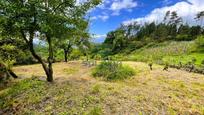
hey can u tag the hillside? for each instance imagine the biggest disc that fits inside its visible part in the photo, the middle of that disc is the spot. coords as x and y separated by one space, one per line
75 91
171 52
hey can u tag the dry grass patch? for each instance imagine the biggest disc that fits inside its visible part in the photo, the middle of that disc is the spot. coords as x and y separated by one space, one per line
148 92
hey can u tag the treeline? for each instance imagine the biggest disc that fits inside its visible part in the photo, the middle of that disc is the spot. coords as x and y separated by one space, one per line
135 35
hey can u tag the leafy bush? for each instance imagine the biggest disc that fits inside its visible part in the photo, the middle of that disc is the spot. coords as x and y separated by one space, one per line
112 70
200 42
183 37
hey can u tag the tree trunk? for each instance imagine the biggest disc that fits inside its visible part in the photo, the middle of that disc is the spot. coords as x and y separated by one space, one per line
50 59
12 74
31 48
65 55
38 58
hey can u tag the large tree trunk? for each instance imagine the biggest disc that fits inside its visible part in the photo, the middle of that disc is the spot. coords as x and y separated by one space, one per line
50 60
65 55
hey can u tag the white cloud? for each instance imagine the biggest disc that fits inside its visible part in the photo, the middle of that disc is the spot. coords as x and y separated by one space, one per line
124 4
118 5
78 2
99 36
166 2
187 10
103 17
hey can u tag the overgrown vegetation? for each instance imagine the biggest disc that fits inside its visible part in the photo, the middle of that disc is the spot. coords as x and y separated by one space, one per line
113 70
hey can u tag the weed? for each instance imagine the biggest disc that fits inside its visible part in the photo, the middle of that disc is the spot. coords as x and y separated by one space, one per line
95 111
96 89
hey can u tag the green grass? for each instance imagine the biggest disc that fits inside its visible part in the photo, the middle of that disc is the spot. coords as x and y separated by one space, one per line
184 59
31 88
170 52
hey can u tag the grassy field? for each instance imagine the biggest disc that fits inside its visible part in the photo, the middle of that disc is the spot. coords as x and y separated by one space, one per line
170 52
75 91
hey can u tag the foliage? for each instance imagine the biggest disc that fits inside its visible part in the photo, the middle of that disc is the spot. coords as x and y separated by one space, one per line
134 36
200 43
45 19
183 37
112 70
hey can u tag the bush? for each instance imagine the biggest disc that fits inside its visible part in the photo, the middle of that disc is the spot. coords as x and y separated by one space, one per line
112 70
183 37
200 42
202 62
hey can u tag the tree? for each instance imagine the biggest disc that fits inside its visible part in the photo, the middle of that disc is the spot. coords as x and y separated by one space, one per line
173 21
51 19
84 45
200 16
73 39
195 31
120 40
183 33
8 54
161 32
109 38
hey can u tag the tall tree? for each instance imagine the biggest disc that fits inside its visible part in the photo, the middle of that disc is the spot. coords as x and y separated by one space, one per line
200 16
50 18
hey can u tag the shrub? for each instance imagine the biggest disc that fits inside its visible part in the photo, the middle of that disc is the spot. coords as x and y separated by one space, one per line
200 42
112 70
202 62
183 37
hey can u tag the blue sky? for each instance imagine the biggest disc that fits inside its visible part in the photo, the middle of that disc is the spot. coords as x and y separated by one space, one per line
111 13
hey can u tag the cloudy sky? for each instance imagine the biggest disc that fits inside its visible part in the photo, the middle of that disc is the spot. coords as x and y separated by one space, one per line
111 13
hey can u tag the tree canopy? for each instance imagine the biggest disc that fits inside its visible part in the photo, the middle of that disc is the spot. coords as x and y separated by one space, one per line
43 19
